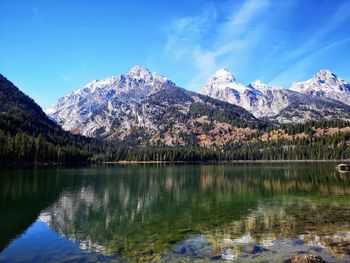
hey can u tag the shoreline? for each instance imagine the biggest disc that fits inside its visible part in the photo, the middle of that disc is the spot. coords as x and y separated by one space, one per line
225 162
29 165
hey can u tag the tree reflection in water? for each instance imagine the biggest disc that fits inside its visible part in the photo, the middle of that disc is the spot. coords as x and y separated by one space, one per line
144 212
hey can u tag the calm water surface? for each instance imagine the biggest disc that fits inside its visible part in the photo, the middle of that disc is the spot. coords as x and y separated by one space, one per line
180 213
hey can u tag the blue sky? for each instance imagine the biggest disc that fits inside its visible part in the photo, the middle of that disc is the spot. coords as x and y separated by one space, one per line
50 48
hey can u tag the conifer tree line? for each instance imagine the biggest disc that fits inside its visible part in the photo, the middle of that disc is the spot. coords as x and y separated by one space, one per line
28 136
23 147
28 149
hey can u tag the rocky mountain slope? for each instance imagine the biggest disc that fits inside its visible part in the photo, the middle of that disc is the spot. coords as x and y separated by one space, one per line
94 107
325 84
325 96
145 107
199 127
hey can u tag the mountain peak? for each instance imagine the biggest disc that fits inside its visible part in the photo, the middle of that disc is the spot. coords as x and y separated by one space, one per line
140 72
259 85
223 84
325 74
258 82
325 84
224 74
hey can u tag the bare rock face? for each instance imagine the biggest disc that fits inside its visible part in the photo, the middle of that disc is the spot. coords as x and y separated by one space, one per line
325 84
258 98
103 104
145 108
306 258
323 97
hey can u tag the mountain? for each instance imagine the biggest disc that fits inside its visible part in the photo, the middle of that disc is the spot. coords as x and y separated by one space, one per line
95 108
302 108
325 84
19 112
28 135
142 106
163 123
258 98
298 104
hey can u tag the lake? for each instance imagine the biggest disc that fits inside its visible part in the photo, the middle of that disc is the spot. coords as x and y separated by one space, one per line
247 212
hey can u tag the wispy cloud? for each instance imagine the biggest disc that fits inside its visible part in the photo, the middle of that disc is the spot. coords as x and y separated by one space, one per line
314 45
186 32
297 69
256 38
238 21
209 43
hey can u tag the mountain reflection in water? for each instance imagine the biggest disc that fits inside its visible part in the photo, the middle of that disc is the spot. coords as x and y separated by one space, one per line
202 212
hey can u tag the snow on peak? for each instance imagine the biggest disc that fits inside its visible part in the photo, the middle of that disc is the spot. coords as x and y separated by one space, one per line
223 80
224 74
92 85
259 85
324 80
258 82
325 84
256 97
325 72
140 72
75 110
324 75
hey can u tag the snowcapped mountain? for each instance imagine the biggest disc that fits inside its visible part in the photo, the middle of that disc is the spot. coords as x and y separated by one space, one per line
325 84
258 98
144 105
111 96
223 80
323 97
223 86
147 107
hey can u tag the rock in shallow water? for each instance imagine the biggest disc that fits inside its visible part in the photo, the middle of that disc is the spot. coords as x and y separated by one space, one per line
253 249
306 258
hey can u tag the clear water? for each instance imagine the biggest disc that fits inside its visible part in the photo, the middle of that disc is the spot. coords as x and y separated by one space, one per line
175 213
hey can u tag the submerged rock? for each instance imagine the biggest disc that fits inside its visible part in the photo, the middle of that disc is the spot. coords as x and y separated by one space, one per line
306 258
253 249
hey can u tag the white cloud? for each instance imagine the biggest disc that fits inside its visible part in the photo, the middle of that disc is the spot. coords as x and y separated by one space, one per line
297 70
239 20
221 39
186 32
315 44
255 38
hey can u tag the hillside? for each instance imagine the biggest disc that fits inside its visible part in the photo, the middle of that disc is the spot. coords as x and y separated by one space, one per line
144 108
170 124
28 135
